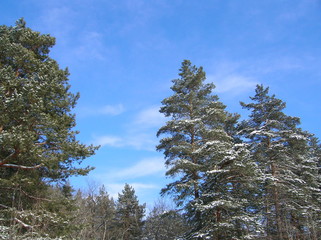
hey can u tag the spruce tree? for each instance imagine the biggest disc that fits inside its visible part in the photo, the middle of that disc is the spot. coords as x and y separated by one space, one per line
38 145
129 215
282 152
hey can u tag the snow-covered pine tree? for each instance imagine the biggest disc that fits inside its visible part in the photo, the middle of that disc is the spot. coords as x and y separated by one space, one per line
229 189
281 150
311 174
199 149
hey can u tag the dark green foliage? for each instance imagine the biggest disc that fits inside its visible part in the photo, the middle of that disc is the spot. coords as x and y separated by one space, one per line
37 142
129 215
211 171
184 131
284 154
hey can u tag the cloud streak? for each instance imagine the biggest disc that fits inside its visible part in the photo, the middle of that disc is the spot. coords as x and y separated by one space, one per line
112 109
115 179
109 110
138 141
233 84
140 133
229 79
150 117
143 168
112 141
58 21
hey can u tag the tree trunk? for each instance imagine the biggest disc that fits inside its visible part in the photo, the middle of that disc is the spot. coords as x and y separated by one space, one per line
276 202
218 219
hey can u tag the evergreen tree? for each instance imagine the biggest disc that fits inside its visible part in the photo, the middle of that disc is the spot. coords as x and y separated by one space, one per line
183 132
38 145
129 215
311 174
282 152
200 154
228 193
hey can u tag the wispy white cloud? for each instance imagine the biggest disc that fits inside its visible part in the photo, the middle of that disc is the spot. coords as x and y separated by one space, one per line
78 39
112 141
91 46
233 84
145 167
111 110
115 178
149 117
142 140
57 20
229 79
274 63
139 141
140 133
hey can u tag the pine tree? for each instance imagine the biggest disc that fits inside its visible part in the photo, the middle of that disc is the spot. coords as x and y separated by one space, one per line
281 150
200 154
311 174
38 145
228 193
183 132
129 215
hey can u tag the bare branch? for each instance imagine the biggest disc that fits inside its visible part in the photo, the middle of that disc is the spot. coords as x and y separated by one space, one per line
25 225
20 166
25 193
4 206
33 197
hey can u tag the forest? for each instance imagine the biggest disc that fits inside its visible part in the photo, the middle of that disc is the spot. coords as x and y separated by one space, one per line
232 179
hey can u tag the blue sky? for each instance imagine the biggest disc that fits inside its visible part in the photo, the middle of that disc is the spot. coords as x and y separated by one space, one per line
123 54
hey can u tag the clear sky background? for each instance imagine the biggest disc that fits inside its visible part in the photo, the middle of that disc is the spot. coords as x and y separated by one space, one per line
123 54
